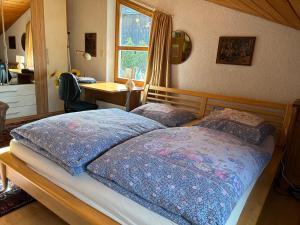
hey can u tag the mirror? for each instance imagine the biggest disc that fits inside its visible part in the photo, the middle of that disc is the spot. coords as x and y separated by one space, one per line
23 41
20 64
181 47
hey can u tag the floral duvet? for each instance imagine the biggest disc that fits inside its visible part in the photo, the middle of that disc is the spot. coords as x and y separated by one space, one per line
73 140
189 175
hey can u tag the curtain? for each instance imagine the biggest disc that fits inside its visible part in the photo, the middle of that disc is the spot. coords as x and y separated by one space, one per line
159 59
29 47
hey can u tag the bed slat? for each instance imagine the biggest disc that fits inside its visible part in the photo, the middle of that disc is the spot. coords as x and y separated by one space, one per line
203 104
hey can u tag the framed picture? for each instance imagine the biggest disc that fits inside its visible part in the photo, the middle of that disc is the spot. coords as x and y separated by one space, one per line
12 42
91 44
236 50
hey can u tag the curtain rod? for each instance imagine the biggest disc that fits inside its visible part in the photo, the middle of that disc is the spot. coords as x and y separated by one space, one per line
151 7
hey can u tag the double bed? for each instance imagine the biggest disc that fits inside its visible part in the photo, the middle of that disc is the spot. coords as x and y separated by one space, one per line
83 200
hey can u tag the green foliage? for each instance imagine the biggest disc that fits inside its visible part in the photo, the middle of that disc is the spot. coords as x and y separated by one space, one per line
135 60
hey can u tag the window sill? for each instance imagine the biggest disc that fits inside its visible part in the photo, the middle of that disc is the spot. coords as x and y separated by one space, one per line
136 82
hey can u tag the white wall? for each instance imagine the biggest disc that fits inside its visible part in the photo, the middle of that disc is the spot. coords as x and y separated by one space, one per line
17 29
275 73
56 44
88 16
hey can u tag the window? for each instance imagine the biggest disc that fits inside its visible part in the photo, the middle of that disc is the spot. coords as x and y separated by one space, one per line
133 24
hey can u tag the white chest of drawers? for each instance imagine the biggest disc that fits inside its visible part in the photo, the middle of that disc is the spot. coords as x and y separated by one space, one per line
20 98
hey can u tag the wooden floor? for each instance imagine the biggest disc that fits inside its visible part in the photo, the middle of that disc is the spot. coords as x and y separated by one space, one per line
31 214
279 210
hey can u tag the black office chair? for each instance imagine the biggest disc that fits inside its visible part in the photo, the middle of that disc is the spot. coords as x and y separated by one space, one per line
69 92
3 77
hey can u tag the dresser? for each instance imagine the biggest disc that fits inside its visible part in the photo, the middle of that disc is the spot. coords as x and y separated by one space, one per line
21 100
293 148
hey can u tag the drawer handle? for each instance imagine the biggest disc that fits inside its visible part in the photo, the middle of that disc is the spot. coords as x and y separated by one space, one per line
13 102
7 91
13 113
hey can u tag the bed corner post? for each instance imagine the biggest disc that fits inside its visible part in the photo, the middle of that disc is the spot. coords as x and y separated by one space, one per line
146 90
3 177
288 123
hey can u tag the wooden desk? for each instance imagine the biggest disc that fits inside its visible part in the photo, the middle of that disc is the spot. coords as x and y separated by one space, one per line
18 71
112 93
23 77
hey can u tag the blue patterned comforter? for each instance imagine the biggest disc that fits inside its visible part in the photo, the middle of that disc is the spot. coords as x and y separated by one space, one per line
189 175
73 140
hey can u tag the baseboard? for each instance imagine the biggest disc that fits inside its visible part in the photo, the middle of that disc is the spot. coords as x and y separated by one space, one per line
33 117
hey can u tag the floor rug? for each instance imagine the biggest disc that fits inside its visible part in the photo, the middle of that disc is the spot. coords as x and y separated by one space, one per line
14 197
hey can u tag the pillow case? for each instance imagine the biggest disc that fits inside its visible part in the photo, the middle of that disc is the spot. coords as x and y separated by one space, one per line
247 126
167 115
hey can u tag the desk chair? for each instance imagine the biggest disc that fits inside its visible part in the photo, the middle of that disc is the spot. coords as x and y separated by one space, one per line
3 77
69 92
3 109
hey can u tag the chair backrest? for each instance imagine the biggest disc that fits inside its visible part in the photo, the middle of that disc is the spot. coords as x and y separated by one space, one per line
69 89
3 77
3 108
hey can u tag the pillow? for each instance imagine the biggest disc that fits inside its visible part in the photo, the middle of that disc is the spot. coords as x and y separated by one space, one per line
248 127
165 114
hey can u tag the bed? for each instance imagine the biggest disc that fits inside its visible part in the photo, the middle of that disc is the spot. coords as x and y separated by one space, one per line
58 194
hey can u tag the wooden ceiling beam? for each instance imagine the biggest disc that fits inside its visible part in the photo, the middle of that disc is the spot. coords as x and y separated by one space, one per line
261 12
13 10
263 4
295 4
285 12
238 5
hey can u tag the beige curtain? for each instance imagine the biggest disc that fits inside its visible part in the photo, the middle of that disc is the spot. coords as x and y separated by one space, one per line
159 60
29 47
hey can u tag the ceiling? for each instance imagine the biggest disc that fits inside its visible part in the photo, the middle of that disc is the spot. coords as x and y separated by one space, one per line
13 9
286 12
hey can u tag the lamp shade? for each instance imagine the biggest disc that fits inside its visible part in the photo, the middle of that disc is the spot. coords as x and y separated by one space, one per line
20 59
87 56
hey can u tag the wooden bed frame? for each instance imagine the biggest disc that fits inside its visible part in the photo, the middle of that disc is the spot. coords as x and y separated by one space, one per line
75 211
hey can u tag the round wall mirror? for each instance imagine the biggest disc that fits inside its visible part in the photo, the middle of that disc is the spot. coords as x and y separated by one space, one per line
181 47
23 41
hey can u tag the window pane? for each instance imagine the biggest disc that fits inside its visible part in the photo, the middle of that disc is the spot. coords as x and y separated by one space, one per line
134 27
133 60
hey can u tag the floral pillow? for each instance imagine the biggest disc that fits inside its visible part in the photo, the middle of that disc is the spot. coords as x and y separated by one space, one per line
247 126
167 115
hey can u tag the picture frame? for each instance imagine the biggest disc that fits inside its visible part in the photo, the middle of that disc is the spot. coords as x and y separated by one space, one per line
91 44
12 42
235 50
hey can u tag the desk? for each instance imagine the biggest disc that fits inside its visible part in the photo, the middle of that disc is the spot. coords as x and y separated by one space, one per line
23 77
112 93
18 71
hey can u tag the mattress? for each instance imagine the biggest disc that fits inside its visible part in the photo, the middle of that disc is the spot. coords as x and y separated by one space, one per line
104 199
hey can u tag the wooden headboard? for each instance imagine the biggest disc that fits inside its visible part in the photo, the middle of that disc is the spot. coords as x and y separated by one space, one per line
201 103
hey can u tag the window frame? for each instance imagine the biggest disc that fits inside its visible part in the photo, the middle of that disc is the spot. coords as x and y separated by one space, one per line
118 46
